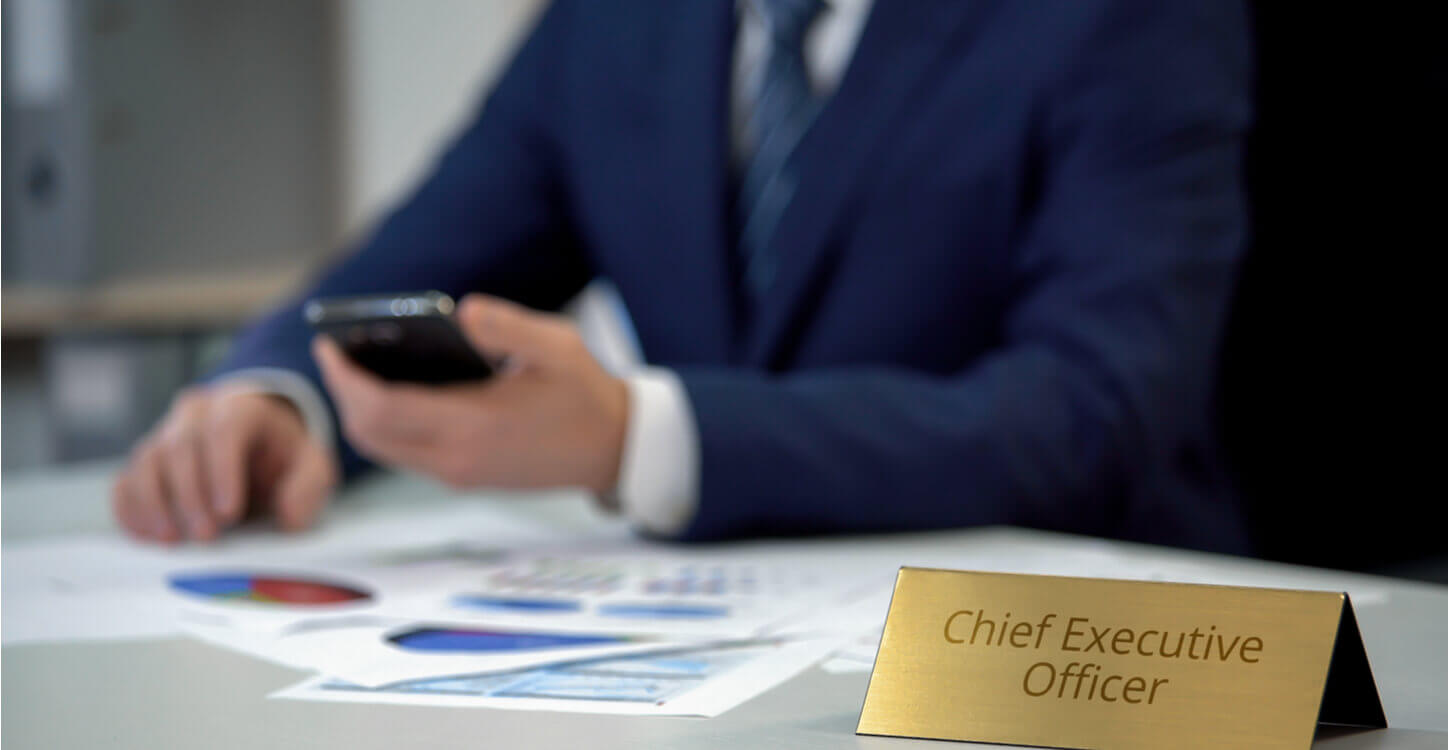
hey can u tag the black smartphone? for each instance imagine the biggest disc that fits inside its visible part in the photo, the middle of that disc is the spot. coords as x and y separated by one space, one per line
404 337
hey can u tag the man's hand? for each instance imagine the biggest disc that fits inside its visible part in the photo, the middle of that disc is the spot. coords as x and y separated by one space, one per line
553 417
219 452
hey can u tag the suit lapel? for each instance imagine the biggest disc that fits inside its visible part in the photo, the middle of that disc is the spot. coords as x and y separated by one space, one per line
693 176
902 42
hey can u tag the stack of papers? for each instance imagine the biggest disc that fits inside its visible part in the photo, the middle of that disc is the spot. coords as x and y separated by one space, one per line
420 611
475 607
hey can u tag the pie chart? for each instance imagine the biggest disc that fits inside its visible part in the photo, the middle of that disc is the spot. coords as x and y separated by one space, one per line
266 589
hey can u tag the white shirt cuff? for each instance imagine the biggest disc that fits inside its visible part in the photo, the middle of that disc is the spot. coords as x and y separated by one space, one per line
659 475
291 386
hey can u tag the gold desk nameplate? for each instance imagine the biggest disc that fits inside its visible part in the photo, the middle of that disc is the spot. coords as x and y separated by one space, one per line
1092 663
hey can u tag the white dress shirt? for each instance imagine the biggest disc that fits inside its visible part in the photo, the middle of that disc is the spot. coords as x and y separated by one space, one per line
658 487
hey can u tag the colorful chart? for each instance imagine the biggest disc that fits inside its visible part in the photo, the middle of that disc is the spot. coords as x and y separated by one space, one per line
290 591
456 640
586 576
688 580
562 575
525 604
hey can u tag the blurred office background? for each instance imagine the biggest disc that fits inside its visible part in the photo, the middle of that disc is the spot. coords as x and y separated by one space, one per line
171 166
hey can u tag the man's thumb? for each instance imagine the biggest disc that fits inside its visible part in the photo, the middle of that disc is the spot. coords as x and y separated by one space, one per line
498 327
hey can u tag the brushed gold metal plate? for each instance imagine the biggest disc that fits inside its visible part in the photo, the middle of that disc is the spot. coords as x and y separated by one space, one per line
1092 663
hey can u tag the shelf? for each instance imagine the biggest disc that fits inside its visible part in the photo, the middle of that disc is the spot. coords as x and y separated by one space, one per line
150 304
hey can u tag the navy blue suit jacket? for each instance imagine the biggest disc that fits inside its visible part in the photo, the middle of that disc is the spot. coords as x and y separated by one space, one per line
1002 280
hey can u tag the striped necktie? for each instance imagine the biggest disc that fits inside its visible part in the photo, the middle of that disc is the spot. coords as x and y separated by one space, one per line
784 108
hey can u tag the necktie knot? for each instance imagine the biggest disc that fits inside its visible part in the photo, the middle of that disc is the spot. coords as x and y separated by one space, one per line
788 20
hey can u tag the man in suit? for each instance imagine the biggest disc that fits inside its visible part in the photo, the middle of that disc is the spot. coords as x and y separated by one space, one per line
906 266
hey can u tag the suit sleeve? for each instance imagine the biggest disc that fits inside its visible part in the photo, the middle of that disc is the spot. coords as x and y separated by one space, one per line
1100 388
489 217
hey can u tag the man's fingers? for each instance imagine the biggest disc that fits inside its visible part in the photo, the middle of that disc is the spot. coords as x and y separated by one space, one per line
182 472
357 393
227 445
374 410
434 459
339 372
303 491
495 326
147 493
127 509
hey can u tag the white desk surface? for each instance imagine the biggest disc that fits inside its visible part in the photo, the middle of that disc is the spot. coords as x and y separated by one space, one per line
180 693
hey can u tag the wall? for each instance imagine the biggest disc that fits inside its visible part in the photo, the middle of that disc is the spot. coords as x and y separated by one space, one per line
229 136
412 75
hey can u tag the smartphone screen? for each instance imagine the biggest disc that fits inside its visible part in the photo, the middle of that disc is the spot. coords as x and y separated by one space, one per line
409 337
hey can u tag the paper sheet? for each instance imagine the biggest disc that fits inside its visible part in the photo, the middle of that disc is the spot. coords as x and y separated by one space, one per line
854 657
695 682
593 604
372 652
645 592
103 586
